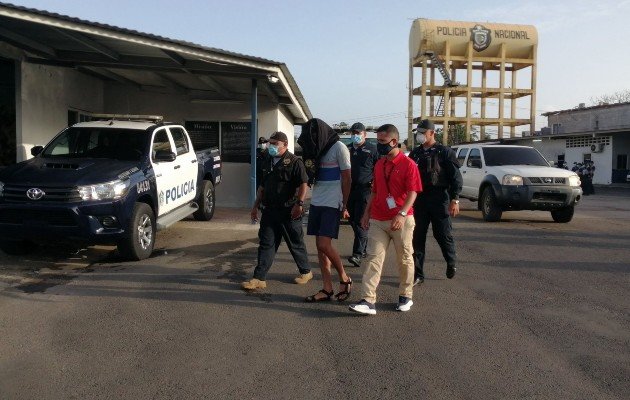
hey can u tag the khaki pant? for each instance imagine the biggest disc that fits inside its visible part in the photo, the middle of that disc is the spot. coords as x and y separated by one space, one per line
379 237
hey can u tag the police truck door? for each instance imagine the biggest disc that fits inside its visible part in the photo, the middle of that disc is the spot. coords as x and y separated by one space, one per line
185 167
165 176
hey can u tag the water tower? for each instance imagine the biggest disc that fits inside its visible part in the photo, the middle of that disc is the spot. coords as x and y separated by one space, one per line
484 56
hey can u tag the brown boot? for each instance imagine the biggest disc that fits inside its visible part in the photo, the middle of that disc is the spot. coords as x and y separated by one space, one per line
253 284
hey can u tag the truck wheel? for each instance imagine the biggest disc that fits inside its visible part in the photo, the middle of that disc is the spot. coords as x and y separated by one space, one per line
139 244
206 202
489 208
563 215
14 247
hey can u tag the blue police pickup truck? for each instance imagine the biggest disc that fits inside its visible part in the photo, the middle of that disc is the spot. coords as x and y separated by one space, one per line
115 181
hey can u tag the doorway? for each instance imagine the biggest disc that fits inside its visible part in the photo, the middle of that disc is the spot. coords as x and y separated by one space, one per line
8 153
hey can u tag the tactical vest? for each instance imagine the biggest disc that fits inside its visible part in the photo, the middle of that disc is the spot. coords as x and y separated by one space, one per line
278 182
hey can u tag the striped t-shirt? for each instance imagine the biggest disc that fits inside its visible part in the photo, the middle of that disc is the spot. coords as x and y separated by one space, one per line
327 188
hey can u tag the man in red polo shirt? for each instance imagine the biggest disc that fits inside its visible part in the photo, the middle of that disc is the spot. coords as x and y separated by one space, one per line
389 216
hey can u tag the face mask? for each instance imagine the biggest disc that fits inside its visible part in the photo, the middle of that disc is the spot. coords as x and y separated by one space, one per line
384 149
421 138
262 146
273 150
357 139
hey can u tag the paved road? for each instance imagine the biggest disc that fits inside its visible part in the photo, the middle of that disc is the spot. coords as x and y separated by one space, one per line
537 310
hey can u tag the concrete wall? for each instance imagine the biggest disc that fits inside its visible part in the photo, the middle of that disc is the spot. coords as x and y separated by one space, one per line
44 95
234 190
614 117
552 148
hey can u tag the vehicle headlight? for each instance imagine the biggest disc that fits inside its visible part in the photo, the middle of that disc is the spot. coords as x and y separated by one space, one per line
105 191
574 180
512 180
1 189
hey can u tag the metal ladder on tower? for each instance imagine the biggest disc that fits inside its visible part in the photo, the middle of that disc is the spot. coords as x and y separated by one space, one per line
441 67
439 111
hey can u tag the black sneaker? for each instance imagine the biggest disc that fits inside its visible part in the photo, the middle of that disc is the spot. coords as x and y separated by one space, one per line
355 261
404 304
418 281
450 271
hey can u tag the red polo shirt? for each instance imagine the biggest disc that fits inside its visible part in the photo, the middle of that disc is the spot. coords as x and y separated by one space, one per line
396 177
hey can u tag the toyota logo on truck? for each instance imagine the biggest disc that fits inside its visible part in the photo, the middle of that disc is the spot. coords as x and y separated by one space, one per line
35 193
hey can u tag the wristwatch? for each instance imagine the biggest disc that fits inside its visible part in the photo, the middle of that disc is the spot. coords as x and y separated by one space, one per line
456 201
403 213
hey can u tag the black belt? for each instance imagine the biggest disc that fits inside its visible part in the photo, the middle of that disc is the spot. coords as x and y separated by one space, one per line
277 206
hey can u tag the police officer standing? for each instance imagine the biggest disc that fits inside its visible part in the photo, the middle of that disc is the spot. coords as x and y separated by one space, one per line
363 157
261 152
439 201
280 195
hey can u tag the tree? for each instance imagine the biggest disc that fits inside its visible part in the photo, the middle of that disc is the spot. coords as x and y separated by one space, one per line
621 96
456 135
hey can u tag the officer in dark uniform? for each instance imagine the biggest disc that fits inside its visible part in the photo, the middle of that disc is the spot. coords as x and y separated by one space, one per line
439 199
280 196
363 157
261 152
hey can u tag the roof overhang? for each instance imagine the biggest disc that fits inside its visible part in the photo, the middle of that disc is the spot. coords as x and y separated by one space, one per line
569 135
147 61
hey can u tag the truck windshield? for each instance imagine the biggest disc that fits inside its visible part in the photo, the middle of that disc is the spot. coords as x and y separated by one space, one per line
117 144
513 156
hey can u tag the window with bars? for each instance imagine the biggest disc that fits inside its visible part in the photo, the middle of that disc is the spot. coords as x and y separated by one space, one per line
586 141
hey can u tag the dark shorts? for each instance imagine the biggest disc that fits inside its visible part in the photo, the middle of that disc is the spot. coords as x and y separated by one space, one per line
323 221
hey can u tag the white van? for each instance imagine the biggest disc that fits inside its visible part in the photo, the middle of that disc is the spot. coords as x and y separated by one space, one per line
503 177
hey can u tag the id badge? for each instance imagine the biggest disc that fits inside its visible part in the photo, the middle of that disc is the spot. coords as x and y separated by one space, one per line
391 203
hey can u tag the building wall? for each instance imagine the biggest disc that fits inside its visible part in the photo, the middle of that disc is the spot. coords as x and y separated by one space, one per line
234 190
587 120
44 95
552 148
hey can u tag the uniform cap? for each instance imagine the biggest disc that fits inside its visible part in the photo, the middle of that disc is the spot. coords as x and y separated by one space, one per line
425 125
279 136
262 140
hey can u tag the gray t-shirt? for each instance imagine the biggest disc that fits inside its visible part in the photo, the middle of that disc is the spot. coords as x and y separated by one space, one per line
327 188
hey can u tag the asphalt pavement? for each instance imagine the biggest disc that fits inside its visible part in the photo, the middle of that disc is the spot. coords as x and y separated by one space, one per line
537 310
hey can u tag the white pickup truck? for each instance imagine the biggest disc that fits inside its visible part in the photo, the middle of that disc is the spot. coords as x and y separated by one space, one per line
504 177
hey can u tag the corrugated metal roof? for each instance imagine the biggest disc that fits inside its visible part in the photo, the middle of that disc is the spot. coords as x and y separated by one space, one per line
138 33
263 63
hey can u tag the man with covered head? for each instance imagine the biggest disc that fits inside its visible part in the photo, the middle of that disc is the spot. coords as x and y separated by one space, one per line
329 162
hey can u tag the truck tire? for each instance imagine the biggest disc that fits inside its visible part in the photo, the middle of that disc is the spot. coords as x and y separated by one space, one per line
563 215
139 244
489 208
14 247
206 202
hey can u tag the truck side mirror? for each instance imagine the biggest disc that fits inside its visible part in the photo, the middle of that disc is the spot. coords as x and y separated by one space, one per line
36 150
165 156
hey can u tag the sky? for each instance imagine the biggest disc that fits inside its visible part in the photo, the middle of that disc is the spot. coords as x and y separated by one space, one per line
350 58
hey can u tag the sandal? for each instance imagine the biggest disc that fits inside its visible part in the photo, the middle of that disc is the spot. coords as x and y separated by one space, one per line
345 294
313 299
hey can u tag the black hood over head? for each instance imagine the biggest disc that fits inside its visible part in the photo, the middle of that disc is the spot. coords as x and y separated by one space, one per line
316 138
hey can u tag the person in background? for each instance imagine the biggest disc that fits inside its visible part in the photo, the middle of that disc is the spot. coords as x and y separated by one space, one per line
439 201
261 152
281 197
389 216
363 157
